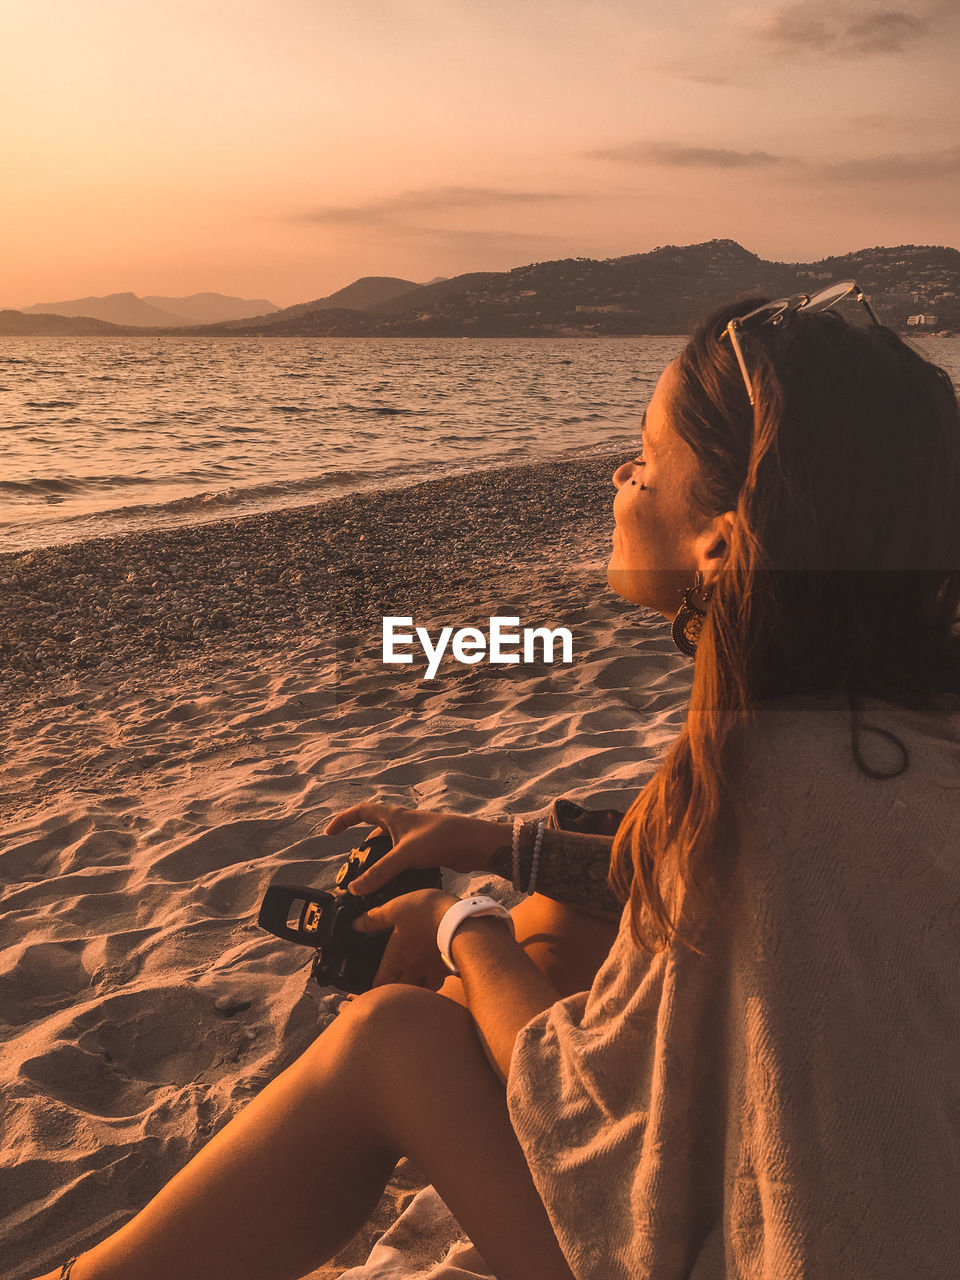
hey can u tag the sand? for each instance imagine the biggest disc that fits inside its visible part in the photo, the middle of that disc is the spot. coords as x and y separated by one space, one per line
212 694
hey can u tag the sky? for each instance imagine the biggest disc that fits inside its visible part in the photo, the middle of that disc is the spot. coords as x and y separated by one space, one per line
281 150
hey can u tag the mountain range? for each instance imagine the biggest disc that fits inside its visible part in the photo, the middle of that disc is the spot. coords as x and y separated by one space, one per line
661 292
153 312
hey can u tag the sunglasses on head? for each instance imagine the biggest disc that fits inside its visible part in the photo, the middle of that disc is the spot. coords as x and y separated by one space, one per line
776 313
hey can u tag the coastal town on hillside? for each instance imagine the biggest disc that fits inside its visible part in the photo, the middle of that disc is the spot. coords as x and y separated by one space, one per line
913 288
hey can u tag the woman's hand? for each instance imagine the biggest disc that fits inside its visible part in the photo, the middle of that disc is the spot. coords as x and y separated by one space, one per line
422 838
411 956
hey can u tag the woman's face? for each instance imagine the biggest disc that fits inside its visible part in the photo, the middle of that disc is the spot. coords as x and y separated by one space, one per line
654 553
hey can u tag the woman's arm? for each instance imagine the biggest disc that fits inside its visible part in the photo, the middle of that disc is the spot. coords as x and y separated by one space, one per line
573 868
502 986
504 989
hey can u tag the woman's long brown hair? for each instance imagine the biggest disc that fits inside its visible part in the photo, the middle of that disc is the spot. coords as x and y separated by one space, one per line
842 575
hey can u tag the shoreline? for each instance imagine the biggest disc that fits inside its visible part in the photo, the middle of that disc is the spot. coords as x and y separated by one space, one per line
104 606
318 492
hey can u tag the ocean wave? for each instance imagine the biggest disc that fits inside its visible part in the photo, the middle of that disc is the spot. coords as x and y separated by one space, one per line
74 486
40 488
381 410
220 500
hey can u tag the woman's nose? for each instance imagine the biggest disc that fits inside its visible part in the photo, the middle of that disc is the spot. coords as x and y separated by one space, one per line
623 473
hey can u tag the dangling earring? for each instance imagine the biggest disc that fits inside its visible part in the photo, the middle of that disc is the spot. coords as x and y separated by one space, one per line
688 623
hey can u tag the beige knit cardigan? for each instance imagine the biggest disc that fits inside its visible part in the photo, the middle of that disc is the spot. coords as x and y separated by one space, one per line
788 1104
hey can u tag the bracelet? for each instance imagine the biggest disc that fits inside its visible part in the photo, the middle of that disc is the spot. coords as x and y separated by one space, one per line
517 828
454 917
535 864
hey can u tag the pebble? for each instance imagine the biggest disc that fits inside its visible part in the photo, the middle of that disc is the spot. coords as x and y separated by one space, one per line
228 1005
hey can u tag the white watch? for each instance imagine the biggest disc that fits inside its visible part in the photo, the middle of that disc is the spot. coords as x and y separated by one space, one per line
454 917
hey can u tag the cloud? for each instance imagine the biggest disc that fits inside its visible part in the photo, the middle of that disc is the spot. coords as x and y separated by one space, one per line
893 167
793 27
834 30
890 167
493 242
887 32
430 201
674 156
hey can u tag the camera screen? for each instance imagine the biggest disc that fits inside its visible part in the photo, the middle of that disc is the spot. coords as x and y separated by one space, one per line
293 913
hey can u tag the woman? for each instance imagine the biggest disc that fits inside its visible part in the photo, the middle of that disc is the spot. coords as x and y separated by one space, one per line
764 1078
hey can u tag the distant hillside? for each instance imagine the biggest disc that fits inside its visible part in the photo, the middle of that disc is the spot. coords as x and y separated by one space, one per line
331 317
212 308
363 294
16 324
427 296
662 292
366 293
156 312
117 308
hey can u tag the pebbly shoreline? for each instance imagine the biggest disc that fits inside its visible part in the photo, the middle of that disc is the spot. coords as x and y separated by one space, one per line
108 606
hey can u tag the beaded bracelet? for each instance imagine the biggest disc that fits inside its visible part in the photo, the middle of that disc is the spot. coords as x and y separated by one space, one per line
517 828
535 864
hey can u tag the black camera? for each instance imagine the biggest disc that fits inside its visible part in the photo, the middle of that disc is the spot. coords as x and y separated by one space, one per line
315 918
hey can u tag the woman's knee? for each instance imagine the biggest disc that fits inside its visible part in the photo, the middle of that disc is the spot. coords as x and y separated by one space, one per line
399 1045
394 1019
386 1006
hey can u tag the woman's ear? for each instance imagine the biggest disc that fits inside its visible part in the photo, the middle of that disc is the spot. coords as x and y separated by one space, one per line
712 546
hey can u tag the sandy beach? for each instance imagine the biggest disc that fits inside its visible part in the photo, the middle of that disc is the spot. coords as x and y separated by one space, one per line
182 711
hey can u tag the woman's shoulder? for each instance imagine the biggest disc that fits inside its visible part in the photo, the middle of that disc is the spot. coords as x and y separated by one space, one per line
821 804
805 736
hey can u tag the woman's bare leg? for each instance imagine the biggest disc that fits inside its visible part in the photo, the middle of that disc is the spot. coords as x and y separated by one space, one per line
567 945
293 1177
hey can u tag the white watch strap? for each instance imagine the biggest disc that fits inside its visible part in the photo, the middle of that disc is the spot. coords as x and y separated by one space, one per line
454 917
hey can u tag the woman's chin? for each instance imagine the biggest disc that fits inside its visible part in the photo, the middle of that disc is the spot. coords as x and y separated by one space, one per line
653 591
623 582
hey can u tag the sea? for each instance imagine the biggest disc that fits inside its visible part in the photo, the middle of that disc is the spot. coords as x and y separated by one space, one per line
106 436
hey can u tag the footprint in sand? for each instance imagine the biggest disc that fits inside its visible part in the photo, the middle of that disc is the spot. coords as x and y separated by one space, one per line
35 859
117 957
118 803
98 849
185 712
542 704
57 892
268 781
219 847
607 719
39 978
113 912
110 1057
235 895
631 671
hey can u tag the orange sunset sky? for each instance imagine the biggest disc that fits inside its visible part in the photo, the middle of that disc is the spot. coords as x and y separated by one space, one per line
282 149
